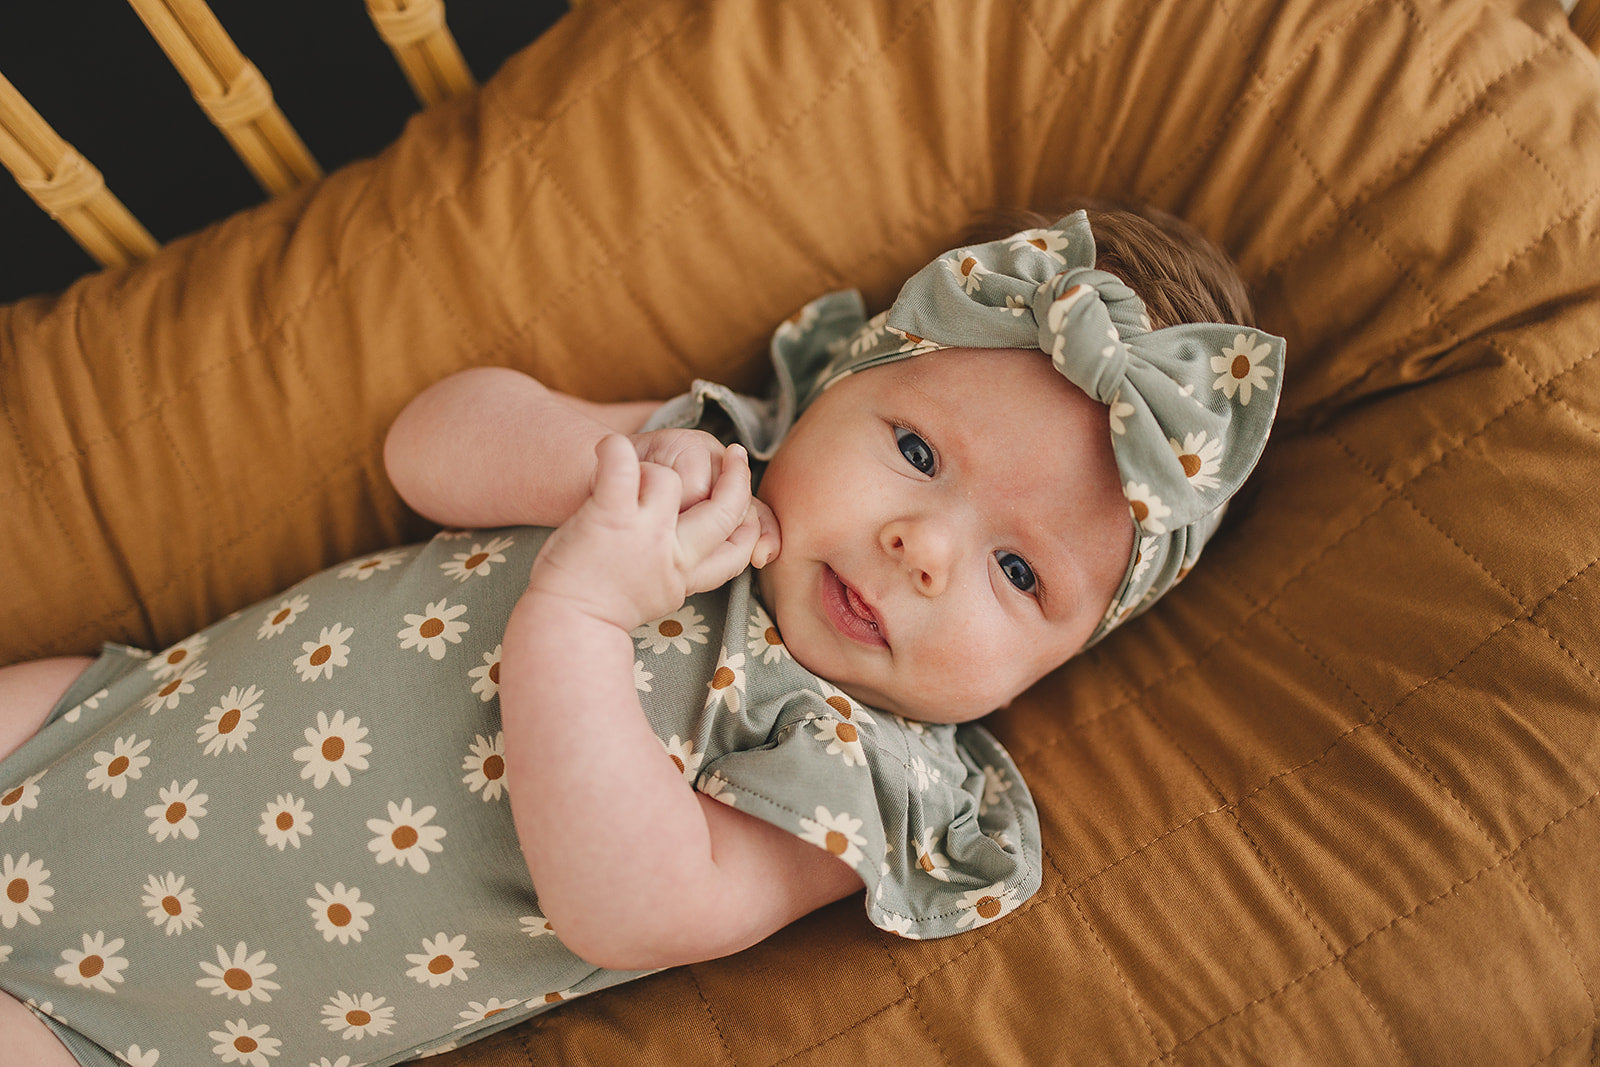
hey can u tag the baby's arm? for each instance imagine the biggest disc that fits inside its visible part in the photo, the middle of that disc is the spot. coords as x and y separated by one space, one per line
634 869
492 446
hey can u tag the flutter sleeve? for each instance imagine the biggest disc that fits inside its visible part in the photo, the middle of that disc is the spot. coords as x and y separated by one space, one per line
935 819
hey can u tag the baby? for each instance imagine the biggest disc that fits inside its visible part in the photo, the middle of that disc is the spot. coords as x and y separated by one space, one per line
578 736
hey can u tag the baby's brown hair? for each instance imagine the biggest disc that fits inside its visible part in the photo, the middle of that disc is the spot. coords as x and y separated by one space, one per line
1177 271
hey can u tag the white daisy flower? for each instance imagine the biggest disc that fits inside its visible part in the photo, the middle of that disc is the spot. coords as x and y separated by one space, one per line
555 996
477 1012
334 747
168 695
365 567
869 334
244 1044
96 966
926 775
910 343
285 821
835 833
1148 550
170 904
995 786
896 924
17 799
176 814
641 677
1241 368
443 959
1050 242
339 912
1056 314
798 323
485 764
1017 305
537 926
486 677
842 704
134 1056
283 616
241 976
231 721
112 770
967 271
1120 409
764 642
480 561
405 837
357 1016
674 630
682 754
1201 458
91 702
331 649
727 682
1148 510
718 788
174 660
842 739
982 906
430 631
932 862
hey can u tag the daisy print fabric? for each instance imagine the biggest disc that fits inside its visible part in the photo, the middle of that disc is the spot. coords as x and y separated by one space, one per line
291 833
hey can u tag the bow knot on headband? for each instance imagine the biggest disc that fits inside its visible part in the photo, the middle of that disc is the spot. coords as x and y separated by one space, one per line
1189 406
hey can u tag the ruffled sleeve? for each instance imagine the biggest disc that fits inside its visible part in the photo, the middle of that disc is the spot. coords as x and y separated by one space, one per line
935 819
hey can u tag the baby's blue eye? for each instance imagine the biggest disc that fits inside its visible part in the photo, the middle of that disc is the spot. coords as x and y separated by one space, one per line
1016 570
917 451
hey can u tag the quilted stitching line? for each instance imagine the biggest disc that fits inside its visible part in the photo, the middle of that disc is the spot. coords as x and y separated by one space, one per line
1437 898
1403 158
1401 494
1264 89
1133 997
1120 28
721 177
328 282
1350 220
1337 741
1342 396
710 1014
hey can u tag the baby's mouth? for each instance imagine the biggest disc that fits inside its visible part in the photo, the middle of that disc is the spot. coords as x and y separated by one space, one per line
850 613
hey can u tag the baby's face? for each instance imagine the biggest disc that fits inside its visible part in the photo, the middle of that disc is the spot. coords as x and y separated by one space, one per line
953 528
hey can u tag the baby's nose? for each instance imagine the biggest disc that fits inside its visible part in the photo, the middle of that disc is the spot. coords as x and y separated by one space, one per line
925 548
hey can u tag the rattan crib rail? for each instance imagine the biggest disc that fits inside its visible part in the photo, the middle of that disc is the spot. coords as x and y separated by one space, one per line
238 100
232 93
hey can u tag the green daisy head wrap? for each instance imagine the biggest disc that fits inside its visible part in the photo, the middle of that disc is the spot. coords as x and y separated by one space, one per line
1188 407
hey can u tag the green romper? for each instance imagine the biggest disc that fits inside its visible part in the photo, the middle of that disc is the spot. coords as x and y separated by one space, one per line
285 840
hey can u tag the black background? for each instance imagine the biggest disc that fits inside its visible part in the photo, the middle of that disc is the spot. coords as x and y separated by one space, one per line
96 75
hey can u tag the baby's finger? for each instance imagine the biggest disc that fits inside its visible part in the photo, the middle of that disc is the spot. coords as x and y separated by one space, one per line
708 524
727 560
660 490
616 475
770 539
698 472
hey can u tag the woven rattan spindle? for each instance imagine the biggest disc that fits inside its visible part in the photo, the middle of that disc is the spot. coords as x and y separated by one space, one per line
416 33
230 90
66 185
1585 22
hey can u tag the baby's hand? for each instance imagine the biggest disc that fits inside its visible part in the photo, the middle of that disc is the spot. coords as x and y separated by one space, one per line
694 455
697 458
628 556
